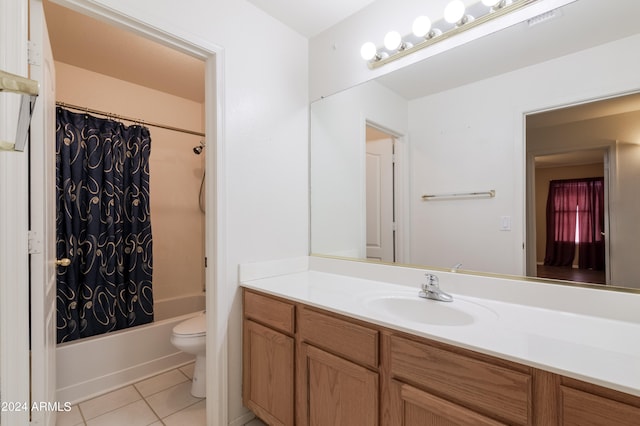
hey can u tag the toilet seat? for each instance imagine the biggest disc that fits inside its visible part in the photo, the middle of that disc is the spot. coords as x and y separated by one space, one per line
193 327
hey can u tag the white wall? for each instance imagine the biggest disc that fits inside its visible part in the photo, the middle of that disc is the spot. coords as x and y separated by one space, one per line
338 126
626 246
265 126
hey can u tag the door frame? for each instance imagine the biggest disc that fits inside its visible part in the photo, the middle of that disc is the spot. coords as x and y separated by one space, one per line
609 166
218 298
14 225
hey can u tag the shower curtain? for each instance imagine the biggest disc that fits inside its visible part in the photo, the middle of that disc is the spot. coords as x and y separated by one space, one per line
102 225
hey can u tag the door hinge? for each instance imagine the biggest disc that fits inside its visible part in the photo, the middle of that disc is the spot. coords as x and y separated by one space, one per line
34 242
394 227
33 53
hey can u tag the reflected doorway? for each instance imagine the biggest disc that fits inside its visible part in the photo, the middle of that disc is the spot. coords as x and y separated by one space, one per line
380 195
602 135
565 260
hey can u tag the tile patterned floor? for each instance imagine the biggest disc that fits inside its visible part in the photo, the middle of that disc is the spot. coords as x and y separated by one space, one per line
162 400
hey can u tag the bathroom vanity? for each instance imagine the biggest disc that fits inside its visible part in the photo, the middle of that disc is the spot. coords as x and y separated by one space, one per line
329 345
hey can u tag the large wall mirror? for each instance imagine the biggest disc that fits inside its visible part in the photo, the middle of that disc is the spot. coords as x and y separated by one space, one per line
452 160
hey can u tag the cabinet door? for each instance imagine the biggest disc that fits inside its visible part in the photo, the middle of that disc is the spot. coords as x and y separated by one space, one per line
339 392
418 408
584 409
268 373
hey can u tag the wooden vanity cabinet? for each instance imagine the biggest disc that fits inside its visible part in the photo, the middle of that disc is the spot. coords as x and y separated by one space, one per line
269 358
338 380
309 367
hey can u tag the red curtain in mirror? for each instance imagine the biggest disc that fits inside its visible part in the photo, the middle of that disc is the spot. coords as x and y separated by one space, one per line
575 217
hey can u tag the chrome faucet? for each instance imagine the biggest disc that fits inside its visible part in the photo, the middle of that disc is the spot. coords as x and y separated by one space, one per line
431 290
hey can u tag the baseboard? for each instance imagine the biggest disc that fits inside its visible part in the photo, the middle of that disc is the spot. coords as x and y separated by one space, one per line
243 420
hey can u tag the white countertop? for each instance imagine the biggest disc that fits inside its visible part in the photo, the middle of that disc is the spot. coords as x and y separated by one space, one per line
598 348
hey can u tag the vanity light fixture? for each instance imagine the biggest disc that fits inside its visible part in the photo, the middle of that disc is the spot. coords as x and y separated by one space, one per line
496 4
454 13
424 34
422 28
369 52
393 41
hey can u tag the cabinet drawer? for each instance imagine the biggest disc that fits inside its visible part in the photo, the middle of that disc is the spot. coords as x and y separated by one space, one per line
274 313
495 391
352 341
422 408
585 409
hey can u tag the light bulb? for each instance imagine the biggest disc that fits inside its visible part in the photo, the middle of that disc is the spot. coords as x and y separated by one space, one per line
392 40
421 26
454 11
496 4
368 51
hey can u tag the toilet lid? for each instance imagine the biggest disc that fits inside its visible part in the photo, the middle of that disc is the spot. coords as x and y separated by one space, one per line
194 326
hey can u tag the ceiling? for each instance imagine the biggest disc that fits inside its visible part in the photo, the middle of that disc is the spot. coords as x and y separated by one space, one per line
84 42
568 159
586 111
310 17
576 113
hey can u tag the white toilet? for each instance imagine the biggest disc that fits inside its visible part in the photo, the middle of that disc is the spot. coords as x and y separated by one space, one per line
190 336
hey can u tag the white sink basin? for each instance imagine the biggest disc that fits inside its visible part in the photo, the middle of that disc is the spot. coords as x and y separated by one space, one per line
415 309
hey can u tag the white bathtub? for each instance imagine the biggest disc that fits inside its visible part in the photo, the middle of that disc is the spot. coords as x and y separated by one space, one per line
88 367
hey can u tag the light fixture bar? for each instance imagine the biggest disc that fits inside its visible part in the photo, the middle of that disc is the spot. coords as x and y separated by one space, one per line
496 13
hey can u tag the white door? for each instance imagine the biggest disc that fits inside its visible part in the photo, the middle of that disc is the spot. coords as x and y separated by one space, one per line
380 226
43 213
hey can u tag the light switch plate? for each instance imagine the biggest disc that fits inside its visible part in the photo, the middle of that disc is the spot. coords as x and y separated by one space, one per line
505 223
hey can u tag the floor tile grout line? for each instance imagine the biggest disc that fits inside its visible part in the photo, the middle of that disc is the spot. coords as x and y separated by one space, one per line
114 409
183 409
152 410
120 408
183 373
142 397
84 421
161 390
147 402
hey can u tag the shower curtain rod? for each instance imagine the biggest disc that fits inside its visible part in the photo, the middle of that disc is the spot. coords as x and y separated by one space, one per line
133 120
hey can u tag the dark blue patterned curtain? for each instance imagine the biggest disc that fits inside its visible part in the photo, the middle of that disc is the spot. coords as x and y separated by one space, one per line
102 225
